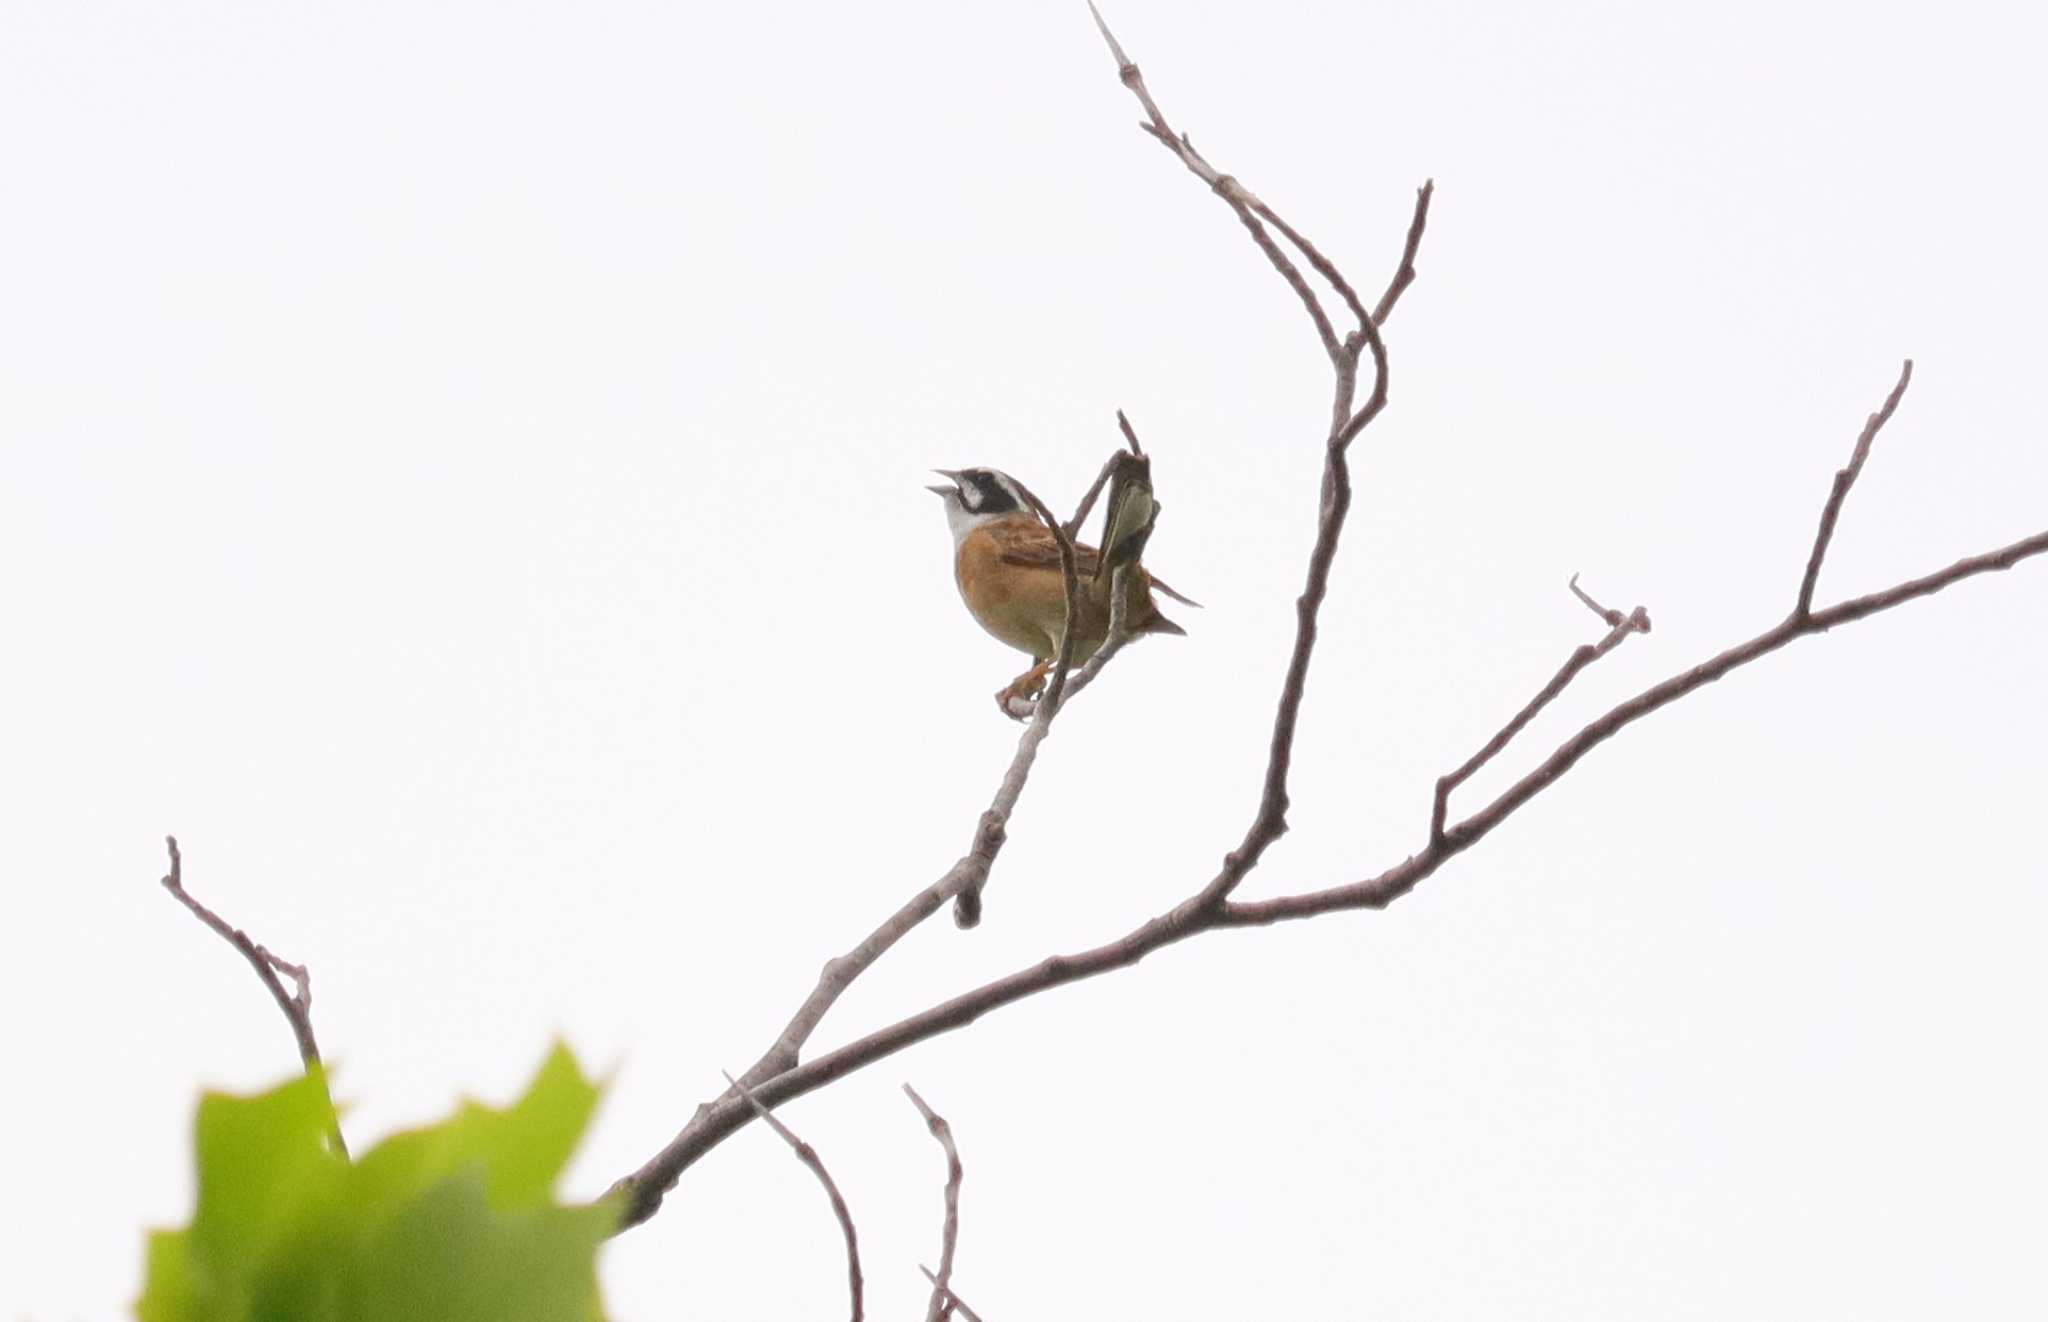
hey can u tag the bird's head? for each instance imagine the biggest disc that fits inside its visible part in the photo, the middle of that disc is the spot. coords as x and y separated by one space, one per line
973 496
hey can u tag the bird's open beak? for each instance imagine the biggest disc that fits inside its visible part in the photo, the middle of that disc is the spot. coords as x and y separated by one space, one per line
947 490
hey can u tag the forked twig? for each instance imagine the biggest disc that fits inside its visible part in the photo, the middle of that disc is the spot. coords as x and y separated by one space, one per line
1839 492
953 1301
296 1004
1620 627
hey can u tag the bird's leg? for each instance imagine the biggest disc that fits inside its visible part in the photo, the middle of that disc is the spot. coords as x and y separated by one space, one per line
1025 685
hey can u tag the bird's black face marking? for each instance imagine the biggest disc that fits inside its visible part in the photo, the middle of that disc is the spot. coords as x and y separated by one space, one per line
984 491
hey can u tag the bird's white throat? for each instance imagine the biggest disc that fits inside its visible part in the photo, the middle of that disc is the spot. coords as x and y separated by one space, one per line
963 520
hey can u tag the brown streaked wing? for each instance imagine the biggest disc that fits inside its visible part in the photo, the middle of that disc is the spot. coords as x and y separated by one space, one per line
1033 544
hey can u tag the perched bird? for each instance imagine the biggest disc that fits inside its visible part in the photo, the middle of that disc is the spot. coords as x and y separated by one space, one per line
1007 564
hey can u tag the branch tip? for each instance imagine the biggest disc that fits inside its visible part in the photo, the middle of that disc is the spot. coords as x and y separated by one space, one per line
1125 69
1130 437
1838 493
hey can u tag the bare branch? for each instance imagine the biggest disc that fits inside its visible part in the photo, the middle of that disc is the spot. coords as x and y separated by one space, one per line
949 1236
953 1301
296 1004
808 1155
969 873
1270 821
1662 695
967 899
1845 479
1637 621
1195 915
1382 890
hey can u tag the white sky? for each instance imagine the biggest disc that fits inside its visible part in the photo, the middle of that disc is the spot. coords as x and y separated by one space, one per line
460 470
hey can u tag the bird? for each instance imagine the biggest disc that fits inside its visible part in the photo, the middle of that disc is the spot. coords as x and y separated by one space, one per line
1007 565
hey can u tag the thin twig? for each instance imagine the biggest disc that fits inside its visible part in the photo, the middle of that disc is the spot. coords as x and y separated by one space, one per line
1637 621
297 1004
1241 200
1130 437
1845 479
1382 890
1404 275
953 1301
1269 823
808 1155
967 898
1109 467
949 1235
1609 617
1323 265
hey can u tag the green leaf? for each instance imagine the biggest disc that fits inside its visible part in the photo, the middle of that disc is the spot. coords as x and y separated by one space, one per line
264 1166
170 1289
449 1222
520 1148
450 1256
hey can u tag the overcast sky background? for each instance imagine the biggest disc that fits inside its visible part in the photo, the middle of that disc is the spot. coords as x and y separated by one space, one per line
460 470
